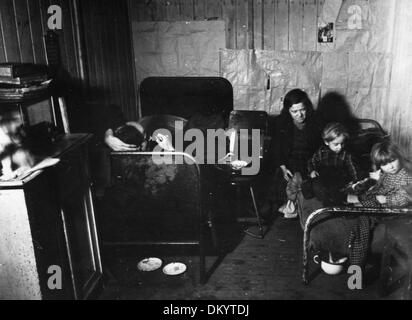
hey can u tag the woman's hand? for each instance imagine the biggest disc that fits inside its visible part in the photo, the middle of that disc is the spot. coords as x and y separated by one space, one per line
116 144
287 174
381 199
314 174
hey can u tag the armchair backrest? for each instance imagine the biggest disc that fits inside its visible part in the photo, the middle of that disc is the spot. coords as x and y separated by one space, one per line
186 96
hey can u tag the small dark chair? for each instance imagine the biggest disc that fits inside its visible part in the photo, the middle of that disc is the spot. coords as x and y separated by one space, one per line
241 119
244 119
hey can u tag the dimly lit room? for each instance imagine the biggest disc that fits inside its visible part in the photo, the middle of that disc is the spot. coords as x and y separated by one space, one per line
205 150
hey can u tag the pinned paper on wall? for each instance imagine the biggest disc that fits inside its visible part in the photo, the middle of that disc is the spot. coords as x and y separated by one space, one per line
325 33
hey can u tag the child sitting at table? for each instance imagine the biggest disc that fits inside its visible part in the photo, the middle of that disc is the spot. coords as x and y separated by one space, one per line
394 177
331 167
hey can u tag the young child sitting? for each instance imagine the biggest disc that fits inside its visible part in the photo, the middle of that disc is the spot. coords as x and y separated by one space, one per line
393 175
331 167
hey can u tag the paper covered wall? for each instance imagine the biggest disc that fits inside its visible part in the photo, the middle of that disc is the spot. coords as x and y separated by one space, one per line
357 64
363 78
182 48
360 61
260 78
365 25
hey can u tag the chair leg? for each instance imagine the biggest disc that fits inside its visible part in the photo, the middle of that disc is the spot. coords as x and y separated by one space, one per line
259 221
210 215
202 259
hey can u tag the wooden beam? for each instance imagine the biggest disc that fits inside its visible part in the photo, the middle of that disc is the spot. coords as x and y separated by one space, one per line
309 25
9 30
282 25
269 24
295 25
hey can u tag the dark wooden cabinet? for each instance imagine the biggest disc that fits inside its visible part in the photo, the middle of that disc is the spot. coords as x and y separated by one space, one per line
47 221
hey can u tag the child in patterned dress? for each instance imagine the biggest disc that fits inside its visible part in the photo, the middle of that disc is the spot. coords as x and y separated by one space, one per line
394 178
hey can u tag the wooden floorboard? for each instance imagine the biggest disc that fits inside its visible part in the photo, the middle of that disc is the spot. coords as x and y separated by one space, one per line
255 269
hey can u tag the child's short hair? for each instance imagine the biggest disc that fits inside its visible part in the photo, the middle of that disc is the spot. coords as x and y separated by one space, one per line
129 134
334 130
385 152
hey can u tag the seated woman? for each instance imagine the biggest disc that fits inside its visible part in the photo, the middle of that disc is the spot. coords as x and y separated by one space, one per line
296 138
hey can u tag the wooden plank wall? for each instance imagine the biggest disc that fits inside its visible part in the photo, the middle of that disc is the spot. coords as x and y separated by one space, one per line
107 45
108 48
250 24
280 25
399 111
23 24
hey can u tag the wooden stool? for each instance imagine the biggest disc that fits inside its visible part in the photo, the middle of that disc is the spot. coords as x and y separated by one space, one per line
397 256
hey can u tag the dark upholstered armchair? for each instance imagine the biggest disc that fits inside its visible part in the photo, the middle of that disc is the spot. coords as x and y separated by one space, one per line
156 203
169 203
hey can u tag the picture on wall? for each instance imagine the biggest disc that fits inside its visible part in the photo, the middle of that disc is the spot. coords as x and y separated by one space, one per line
325 33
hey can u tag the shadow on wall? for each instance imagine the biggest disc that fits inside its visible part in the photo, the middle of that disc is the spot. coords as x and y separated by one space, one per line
333 107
